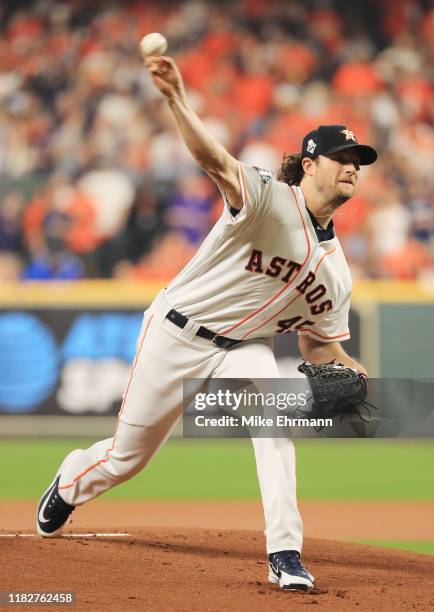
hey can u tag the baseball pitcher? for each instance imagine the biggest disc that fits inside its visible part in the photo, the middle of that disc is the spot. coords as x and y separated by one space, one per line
272 264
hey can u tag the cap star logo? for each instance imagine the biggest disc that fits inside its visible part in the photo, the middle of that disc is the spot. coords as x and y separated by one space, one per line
311 146
348 135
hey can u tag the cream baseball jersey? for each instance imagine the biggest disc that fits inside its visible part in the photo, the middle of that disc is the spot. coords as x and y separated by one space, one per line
264 272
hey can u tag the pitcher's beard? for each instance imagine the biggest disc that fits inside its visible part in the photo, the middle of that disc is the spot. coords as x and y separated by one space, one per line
332 197
339 199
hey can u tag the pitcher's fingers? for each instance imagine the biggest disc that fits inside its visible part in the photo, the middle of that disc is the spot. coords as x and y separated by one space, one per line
151 61
162 62
168 61
160 59
154 71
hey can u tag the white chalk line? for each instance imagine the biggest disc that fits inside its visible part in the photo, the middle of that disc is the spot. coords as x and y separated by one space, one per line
66 535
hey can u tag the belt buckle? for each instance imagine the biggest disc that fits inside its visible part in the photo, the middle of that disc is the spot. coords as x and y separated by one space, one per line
223 343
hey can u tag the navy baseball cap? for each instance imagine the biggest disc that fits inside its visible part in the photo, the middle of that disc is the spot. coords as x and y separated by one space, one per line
327 139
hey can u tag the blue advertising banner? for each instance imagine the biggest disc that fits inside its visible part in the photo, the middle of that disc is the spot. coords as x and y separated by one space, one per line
75 361
65 361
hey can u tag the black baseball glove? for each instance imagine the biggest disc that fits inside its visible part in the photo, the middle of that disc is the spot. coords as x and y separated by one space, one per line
336 390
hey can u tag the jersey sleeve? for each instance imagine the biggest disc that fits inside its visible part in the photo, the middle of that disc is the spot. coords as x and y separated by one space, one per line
333 327
254 184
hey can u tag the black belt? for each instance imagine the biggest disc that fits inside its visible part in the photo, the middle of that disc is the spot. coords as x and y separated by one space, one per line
221 341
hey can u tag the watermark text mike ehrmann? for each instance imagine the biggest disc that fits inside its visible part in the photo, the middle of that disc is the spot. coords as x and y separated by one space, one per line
282 420
233 400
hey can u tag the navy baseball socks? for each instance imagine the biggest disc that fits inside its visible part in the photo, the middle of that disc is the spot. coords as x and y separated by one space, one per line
287 570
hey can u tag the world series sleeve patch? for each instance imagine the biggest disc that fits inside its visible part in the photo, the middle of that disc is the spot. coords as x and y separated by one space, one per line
265 174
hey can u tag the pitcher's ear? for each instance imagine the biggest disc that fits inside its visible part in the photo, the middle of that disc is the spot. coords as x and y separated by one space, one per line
309 165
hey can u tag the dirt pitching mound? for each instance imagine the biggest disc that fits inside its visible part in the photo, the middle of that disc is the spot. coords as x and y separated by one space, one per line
199 569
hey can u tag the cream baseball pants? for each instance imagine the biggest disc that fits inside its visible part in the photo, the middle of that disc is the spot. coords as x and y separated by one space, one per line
152 405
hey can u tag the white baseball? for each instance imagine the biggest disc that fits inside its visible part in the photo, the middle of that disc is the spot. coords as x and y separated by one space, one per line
153 44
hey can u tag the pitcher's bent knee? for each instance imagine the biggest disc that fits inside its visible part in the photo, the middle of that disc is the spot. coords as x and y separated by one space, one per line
123 466
107 463
133 447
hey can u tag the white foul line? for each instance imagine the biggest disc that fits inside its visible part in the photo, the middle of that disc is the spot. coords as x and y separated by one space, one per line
66 535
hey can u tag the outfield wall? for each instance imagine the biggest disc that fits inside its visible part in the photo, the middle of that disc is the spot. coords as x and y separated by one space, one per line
66 348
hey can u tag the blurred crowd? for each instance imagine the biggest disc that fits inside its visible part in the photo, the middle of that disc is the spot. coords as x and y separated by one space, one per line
95 181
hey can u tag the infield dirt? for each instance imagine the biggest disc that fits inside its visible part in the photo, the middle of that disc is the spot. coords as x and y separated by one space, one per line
166 569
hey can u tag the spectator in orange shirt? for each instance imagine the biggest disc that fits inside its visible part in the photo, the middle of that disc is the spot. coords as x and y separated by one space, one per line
60 199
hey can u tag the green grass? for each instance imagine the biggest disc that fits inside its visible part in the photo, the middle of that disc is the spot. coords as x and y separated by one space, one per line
182 470
419 546
366 469
210 469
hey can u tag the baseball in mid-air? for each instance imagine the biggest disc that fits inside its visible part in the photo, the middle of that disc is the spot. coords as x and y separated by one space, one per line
153 44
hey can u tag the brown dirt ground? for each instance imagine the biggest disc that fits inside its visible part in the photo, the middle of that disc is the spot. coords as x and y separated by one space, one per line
166 569
220 564
334 520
